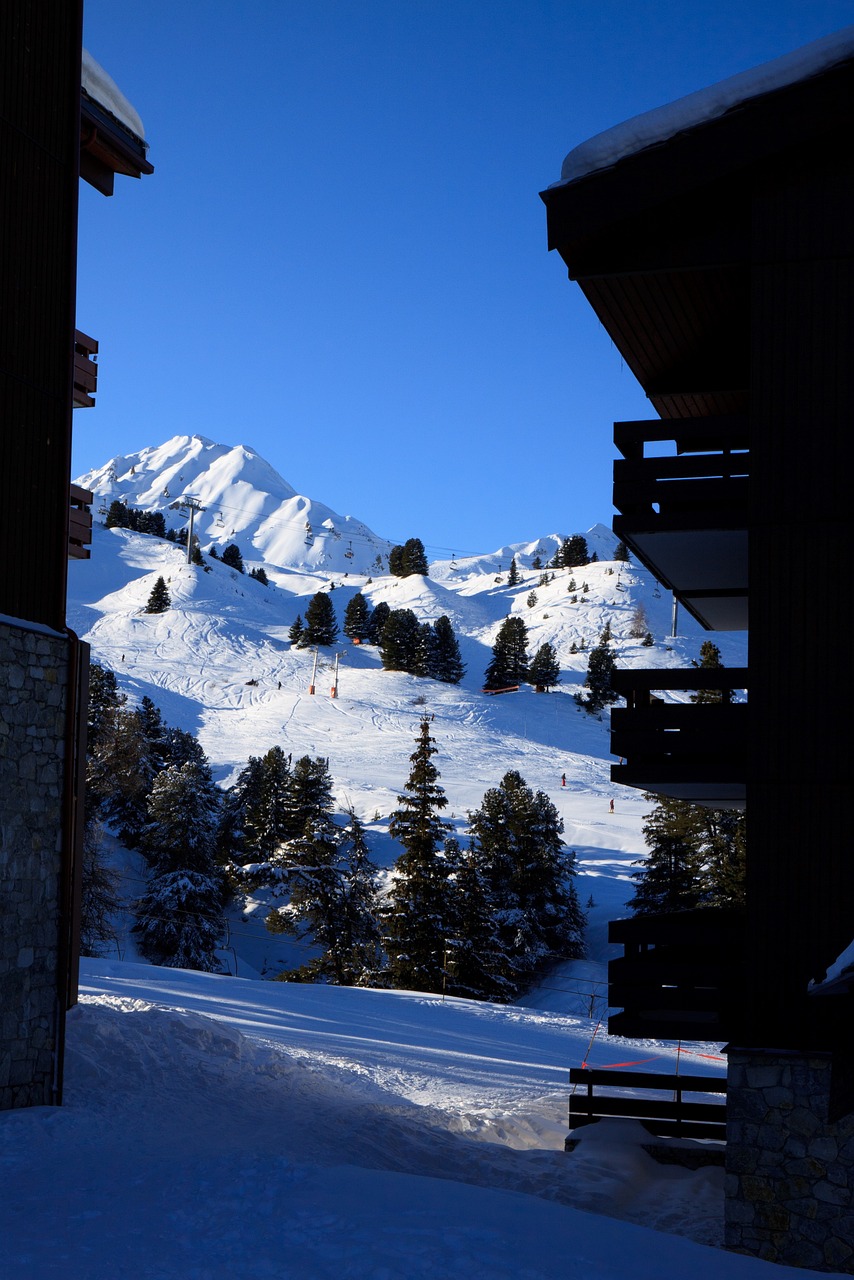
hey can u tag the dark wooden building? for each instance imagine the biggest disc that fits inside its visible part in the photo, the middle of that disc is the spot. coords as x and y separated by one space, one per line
46 366
715 246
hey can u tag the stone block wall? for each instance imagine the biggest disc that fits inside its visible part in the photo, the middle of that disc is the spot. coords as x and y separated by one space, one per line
33 699
790 1170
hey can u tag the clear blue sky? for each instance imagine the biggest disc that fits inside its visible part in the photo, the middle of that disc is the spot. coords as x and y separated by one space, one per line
341 256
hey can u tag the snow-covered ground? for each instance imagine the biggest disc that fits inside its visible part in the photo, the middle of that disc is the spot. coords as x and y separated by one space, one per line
218 1128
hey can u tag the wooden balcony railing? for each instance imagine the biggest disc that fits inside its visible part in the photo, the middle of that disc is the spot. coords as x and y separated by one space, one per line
85 370
679 976
79 523
685 750
685 515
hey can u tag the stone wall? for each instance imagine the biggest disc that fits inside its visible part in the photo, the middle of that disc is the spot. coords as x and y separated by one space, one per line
33 697
790 1171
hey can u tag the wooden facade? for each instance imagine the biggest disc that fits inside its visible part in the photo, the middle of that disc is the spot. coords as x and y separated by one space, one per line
720 263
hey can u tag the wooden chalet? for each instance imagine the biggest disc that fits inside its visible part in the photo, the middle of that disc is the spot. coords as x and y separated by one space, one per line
716 250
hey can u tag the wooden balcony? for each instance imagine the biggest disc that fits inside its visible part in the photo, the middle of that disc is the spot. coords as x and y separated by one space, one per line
679 976
684 515
85 370
687 751
79 523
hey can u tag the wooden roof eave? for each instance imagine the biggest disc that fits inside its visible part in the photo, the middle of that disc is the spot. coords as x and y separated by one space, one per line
108 148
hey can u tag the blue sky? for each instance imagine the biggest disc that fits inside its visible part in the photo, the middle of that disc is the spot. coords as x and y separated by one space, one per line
341 259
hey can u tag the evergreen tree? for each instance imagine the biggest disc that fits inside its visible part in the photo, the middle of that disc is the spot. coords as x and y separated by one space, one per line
232 557
260 576
309 795
638 626
575 552
408 559
671 879
232 839
379 617
266 787
475 959
356 950
710 660
448 666
532 599
621 552
100 898
399 641
545 668
159 600
395 561
424 660
648 641
357 618
516 841
599 681
321 627
513 575
509 663
297 632
183 748
418 914
179 917
196 556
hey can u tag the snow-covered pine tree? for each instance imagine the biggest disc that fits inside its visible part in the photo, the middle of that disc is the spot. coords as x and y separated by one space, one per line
448 666
475 959
417 919
545 668
296 632
179 918
265 798
509 662
356 952
159 600
424 660
671 878
516 842
399 641
321 626
309 795
100 898
710 660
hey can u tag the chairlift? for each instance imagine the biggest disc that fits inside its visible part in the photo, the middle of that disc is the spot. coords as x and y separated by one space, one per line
102 510
656 594
165 493
220 520
619 585
348 554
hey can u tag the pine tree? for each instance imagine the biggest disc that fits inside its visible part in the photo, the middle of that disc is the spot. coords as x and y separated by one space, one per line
265 796
475 958
599 681
424 660
414 558
117 515
260 576
448 666
509 663
516 841
321 627
545 668
356 952
159 600
100 898
575 552
232 836
621 552
357 618
671 879
309 795
297 632
532 599
513 575
399 641
179 917
232 557
379 617
710 660
417 918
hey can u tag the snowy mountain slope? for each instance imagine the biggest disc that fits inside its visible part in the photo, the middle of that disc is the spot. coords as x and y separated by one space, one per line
245 500
225 630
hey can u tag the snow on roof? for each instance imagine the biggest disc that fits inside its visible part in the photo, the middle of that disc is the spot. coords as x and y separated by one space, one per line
104 90
665 122
839 974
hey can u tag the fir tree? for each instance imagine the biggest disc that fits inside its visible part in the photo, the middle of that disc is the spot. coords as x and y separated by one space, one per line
100 899
117 515
671 879
379 617
545 668
448 666
297 632
513 575
417 917
260 576
621 552
414 558
356 952
179 917
232 557
532 599
710 660
321 627
399 641
509 663
648 641
575 552
309 797
357 618
266 802
159 600
516 841
599 681
424 660
475 958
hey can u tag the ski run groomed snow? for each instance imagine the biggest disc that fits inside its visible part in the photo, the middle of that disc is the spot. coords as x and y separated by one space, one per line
225 1126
